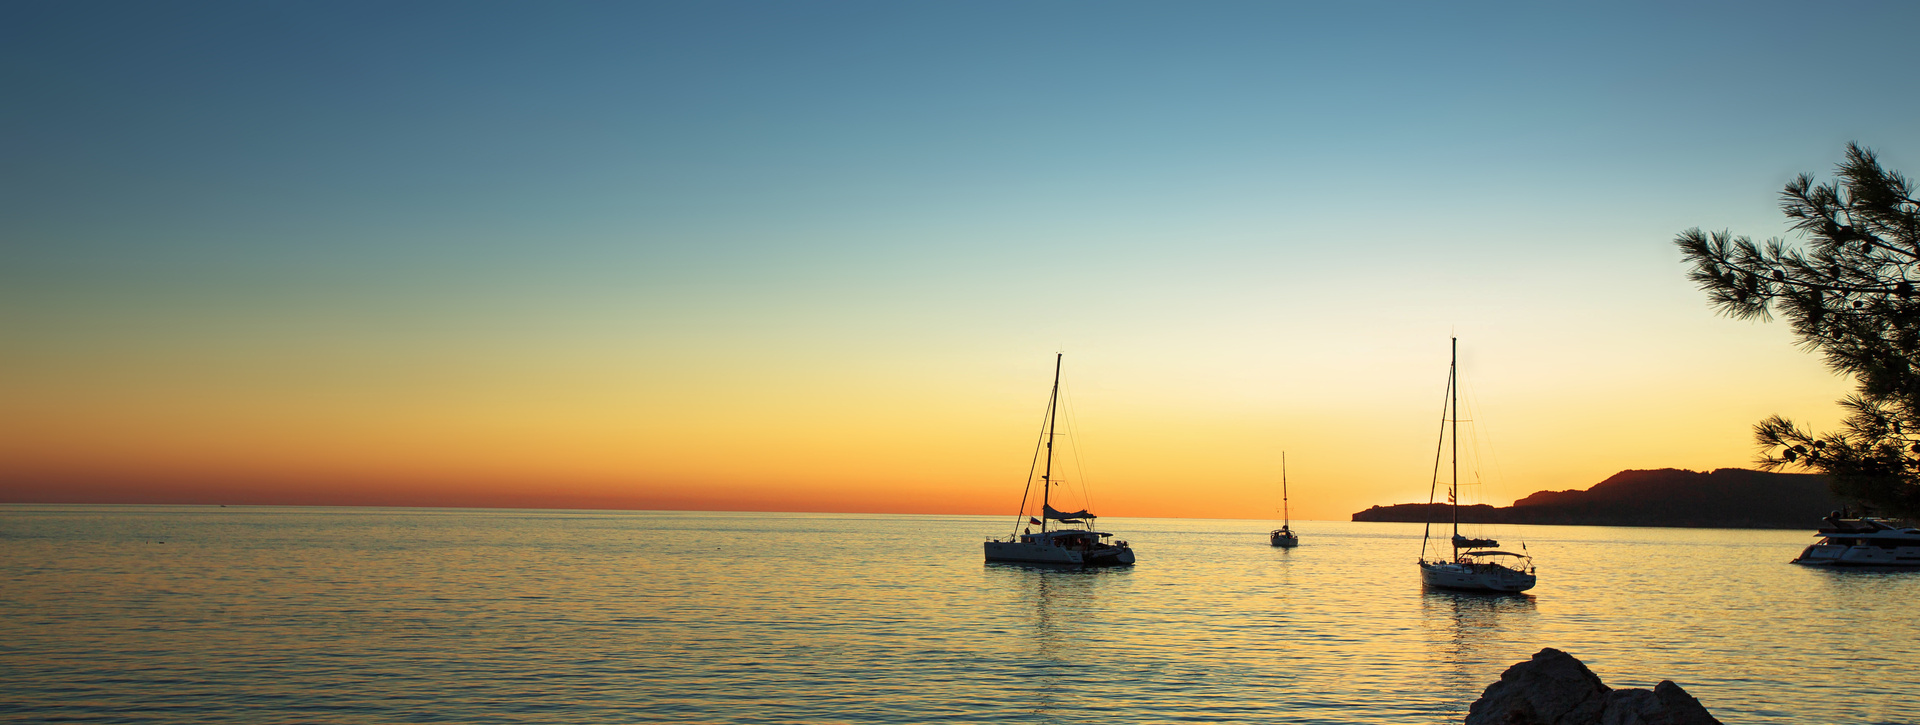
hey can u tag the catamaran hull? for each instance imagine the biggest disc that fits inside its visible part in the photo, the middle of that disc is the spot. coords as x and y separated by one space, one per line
1025 553
1030 554
1110 557
1485 578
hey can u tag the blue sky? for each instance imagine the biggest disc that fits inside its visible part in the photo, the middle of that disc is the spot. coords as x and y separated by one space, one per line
1204 199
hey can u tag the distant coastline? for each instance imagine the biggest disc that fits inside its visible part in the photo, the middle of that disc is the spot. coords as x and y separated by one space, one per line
1728 498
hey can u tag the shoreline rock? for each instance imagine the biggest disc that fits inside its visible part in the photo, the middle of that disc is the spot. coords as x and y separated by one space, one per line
1554 688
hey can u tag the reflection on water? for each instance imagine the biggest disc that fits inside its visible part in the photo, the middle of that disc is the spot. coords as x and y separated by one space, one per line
1064 607
1061 603
1471 630
350 616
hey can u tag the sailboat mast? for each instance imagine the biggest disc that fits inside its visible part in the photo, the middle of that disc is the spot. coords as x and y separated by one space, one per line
1053 409
1286 516
1453 487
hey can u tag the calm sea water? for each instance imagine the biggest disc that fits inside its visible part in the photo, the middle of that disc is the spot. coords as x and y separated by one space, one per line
398 615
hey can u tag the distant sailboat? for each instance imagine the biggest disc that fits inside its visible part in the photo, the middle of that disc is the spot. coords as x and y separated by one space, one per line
1475 565
1064 545
1284 537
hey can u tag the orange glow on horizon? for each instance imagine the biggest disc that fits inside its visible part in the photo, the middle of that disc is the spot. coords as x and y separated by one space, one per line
1155 435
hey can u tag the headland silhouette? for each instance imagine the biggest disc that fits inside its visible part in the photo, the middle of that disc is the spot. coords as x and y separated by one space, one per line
1725 498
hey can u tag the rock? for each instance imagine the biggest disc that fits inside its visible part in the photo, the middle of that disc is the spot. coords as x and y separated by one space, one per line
1665 704
1554 688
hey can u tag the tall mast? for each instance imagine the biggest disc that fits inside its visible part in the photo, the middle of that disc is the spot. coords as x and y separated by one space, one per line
1453 487
1046 479
1286 517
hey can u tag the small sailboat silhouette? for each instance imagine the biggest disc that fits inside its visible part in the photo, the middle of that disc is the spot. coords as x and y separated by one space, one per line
1284 537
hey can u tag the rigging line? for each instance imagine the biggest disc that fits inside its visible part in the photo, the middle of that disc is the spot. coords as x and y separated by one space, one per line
1475 452
1286 516
1027 491
1283 479
1492 458
1073 437
1472 451
1438 446
1493 452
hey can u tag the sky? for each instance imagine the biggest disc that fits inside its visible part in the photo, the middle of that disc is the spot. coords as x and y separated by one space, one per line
819 256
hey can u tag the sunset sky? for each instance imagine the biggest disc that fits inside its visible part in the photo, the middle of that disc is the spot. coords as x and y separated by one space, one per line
818 256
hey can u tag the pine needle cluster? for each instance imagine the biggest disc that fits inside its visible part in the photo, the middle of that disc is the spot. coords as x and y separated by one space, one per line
1849 294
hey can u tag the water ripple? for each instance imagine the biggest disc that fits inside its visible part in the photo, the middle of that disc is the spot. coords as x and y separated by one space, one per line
371 615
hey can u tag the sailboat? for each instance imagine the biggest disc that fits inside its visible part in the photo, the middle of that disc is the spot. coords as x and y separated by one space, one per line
1284 537
1065 538
1476 565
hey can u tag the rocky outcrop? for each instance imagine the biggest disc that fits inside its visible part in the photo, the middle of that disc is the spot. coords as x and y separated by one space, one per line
1553 688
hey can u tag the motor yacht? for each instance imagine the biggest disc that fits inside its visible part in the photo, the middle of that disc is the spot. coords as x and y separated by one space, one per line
1863 542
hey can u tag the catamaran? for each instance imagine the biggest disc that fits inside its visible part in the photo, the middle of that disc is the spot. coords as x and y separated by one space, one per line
1284 537
1065 538
1476 565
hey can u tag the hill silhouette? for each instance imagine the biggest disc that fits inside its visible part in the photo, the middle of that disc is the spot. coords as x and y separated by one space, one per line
1729 498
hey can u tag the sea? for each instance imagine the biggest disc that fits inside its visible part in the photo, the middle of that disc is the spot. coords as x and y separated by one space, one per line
132 614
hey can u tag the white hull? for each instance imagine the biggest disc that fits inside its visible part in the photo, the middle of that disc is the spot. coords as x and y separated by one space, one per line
1028 553
1834 555
1475 577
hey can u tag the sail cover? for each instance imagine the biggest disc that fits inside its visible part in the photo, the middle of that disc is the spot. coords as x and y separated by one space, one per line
1466 543
1059 516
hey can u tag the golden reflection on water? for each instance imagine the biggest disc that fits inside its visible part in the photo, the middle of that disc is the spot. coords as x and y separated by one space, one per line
348 616
1063 604
1471 629
1051 640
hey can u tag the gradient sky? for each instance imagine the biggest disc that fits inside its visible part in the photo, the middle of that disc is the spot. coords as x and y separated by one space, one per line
819 255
